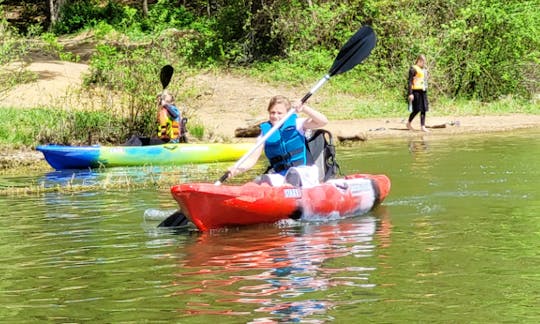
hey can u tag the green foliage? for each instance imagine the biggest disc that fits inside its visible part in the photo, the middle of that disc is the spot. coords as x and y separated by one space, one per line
132 74
80 14
102 62
42 125
166 14
32 120
196 130
52 46
476 48
97 124
479 49
301 68
75 15
12 48
491 48
102 29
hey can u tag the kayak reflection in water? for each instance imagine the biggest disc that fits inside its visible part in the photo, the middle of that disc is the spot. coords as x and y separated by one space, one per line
286 148
283 273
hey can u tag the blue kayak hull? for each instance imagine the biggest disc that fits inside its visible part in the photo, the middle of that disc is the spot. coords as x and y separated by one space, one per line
63 157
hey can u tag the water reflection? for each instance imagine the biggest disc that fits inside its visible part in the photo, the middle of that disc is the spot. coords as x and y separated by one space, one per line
281 269
461 236
420 152
125 175
70 177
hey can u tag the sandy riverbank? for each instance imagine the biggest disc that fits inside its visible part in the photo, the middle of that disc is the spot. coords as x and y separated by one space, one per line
228 102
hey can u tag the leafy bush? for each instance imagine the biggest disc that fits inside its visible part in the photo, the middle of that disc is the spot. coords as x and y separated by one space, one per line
11 46
132 75
489 47
165 15
80 14
475 48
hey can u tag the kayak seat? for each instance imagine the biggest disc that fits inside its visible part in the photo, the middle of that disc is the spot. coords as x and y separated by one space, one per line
322 153
305 176
183 130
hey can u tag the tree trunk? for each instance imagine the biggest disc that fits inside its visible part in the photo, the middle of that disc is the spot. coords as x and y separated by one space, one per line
54 10
145 8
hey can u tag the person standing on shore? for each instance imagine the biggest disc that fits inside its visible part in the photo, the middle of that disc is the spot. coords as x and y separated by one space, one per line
417 89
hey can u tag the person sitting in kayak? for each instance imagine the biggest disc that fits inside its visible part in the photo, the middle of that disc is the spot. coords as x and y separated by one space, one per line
171 125
169 128
286 148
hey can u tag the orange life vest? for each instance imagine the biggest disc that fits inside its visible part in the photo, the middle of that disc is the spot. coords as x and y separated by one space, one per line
420 79
168 128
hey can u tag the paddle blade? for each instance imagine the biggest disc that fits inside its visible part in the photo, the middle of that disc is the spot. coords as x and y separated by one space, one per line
165 75
176 219
357 48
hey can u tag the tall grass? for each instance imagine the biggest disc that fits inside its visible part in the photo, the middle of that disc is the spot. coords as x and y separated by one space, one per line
29 127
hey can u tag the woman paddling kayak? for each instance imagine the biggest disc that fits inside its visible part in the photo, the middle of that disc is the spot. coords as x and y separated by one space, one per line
286 149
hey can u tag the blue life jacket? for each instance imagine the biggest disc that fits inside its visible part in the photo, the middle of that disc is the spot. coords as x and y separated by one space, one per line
286 147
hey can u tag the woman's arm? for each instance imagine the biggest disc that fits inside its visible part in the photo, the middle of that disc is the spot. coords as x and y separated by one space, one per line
315 118
173 111
412 73
248 163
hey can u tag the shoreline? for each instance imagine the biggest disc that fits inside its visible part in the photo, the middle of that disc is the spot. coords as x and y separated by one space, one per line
347 130
395 127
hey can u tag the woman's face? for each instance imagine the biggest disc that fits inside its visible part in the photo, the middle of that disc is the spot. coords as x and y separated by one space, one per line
277 112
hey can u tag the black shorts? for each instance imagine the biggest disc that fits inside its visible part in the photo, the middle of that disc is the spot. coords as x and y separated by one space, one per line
420 101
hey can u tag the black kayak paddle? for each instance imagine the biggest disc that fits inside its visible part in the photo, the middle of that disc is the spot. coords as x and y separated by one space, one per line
357 49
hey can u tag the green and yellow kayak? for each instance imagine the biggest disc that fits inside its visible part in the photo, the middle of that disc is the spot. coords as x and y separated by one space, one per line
82 157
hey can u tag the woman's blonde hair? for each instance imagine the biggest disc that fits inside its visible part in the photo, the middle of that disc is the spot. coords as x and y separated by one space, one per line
279 100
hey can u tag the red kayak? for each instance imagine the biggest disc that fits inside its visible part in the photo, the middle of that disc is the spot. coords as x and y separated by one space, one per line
210 206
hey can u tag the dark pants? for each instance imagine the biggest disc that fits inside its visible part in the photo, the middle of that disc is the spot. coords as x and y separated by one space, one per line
420 105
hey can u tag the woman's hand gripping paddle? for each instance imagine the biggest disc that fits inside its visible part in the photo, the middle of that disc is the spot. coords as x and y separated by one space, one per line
357 48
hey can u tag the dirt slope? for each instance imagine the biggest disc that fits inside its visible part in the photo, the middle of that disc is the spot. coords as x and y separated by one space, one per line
227 102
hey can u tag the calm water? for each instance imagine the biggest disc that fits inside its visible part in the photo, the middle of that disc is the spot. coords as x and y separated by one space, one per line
455 242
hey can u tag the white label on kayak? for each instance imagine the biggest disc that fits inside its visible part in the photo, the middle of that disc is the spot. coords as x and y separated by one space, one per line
292 193
359 187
